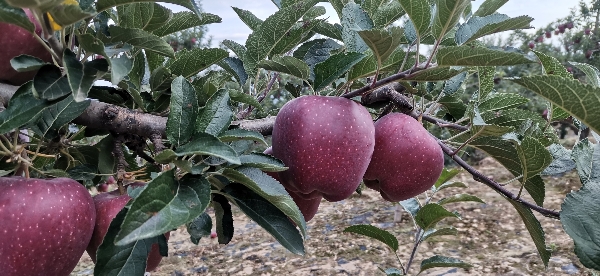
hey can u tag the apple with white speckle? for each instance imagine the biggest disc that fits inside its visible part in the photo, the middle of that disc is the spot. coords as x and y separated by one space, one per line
407 160
326 142
18 41
108 206
45 225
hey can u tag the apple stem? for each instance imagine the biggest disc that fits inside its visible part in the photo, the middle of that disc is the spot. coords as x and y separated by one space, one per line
418 237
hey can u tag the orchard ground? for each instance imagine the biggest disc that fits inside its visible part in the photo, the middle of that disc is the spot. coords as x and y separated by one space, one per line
491 236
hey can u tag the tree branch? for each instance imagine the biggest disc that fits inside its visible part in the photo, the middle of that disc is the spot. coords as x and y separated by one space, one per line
478 176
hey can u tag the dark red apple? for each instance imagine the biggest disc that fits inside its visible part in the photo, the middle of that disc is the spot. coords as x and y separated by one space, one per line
326 142
561 28
531 45
18 41
587 31
570 69
407 160
548 34
556 32
308 207
45 225
569 25
108 206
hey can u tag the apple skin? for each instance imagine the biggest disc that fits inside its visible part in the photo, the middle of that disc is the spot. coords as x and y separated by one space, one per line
407 160
326 142
108 206
45 224
308 207
18 41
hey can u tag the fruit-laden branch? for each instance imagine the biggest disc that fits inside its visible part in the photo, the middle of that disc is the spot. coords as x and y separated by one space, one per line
123 120
478 176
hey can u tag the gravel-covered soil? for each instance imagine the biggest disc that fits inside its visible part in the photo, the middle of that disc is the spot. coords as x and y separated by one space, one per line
492 237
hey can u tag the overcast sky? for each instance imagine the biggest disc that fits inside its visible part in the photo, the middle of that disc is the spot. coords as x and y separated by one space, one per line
543 11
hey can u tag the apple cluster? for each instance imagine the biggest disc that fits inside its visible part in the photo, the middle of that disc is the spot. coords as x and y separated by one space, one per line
330 145
47 225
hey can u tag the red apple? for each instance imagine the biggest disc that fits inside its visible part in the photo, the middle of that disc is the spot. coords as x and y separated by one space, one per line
108 206
587 31
588 54
569 25
561 28
548 34
556 32
45 225
326 142
213 235
18 41
407 160
531 45
308 207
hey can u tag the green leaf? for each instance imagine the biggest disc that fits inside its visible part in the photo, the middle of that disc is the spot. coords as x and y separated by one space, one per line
15 16
26 63
120 68
579 217
478 27
261 42
354 19
199 227
242 97
241 134
128 259
328 30
486 81
58 115
288 65
189 63
387 14
552 66
297 34
235 67
579 99
22 108
368 65
533 155
268 188
535 230
489 7
333 68
262 161
446 176
141 39
314 12
587 161
382 42
82 76
448 13
315 52
50 84
477 56
181 122
224 218
479 127
430 214
435 74
206 144
268 216
68 14
454 84
160 15
441 261
592 74
216 115
411 206
238 49
501 101
452 185
163 205
439 232
184 20
460 198
251 20
419 13
102 5
373 232
561 160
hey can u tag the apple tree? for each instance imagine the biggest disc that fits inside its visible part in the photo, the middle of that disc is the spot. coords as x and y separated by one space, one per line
103 96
